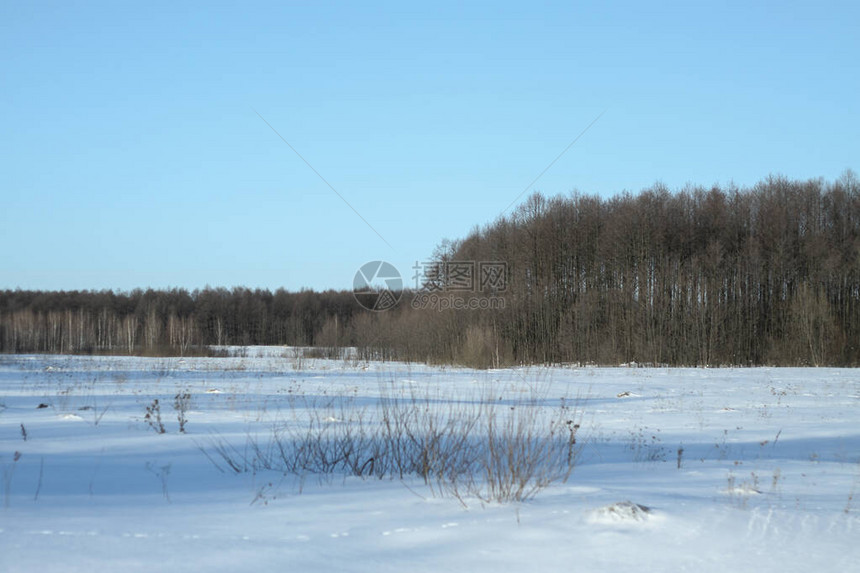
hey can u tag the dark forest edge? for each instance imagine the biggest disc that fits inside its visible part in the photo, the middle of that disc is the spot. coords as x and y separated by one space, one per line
767 275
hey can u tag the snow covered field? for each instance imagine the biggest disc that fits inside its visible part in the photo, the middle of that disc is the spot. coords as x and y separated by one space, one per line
734 469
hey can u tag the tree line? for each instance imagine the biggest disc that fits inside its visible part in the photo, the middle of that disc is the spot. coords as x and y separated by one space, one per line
175 321
701 276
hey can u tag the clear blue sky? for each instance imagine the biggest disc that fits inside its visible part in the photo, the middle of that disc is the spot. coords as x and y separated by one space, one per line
131 154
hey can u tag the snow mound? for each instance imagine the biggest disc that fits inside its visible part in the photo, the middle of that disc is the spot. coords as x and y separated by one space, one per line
622 511
742 489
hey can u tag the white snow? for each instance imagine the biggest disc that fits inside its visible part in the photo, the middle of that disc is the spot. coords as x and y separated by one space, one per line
769 476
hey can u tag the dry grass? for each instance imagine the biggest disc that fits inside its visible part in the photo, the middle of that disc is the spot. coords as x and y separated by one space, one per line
486 448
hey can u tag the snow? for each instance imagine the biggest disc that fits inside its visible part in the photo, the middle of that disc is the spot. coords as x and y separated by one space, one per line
769 475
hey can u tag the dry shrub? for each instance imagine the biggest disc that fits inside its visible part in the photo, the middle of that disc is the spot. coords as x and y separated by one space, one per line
488 448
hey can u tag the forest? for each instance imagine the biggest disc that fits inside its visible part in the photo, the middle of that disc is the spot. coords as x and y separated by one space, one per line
765 275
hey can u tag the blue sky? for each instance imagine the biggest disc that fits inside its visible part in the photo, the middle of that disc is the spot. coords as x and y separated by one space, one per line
132 155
